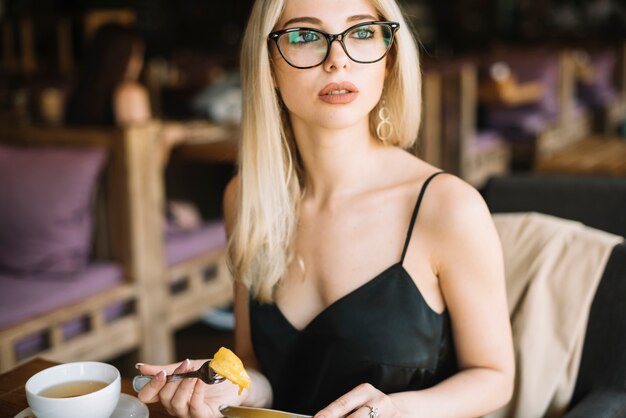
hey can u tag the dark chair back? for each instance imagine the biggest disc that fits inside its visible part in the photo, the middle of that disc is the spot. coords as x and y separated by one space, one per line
598 202
603 363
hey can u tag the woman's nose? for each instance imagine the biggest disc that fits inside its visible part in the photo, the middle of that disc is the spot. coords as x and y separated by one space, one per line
337 57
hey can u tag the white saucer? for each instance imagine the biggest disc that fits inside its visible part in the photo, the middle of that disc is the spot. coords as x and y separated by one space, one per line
127 407
130 407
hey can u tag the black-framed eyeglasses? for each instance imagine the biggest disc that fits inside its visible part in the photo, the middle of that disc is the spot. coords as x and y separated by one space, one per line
364 43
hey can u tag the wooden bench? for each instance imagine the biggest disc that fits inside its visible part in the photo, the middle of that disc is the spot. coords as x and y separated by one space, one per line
114 241
131 232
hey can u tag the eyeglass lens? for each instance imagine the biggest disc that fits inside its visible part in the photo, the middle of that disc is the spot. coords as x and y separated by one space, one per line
308 48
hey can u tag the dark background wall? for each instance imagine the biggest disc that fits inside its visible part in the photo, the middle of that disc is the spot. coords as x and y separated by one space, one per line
443 26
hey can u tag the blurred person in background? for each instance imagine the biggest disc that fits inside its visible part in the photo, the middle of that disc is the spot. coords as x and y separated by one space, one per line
107 92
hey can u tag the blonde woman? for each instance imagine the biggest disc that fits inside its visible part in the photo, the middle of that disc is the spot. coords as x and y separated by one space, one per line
367 285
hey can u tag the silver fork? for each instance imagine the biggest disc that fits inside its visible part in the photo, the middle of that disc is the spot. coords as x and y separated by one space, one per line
204 373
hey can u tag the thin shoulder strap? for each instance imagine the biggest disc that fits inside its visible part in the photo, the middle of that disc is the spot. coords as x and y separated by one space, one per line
414 216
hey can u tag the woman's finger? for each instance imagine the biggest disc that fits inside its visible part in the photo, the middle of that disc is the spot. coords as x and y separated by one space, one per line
197 406
169 390
365 411
182 397
349 402
152 369
150 392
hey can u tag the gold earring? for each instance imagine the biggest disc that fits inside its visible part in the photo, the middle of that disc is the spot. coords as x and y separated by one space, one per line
384 128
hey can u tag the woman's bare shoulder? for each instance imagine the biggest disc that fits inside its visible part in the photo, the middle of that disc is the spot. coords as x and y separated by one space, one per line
451 200
456 217
131 90
131 103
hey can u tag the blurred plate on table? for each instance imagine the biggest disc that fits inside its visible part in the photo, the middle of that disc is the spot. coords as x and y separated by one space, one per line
249 412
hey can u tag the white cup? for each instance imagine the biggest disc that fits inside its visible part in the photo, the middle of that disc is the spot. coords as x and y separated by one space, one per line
98 404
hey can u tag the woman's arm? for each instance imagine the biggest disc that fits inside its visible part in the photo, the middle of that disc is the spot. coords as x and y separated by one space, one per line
467 259
260 391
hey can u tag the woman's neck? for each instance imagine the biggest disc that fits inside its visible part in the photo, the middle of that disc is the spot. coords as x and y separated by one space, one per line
337 162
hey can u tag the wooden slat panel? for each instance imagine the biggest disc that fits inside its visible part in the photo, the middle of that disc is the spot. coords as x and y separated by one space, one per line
195 281
203 261
42 322
116 338
56 335
7 355
186 308
97 320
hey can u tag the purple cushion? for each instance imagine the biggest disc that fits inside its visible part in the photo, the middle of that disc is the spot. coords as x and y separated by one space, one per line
484 140
603 63
519 122
23 299
181 245
601 93
46 198
597 96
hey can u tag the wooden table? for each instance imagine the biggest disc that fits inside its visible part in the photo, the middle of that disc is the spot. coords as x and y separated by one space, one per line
594 156
212 143
13 396
219 151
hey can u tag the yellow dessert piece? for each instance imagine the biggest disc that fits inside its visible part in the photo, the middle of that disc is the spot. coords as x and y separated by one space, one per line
228 365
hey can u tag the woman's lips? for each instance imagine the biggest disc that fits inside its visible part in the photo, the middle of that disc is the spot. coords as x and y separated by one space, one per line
339 93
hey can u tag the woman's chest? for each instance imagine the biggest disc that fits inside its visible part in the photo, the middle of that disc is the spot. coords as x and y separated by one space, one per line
329 266
386 318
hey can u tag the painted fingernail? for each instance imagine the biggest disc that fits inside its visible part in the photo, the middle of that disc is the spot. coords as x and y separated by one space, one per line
138 365
160 377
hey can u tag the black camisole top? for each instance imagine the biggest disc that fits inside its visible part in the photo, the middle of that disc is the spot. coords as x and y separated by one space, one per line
382 333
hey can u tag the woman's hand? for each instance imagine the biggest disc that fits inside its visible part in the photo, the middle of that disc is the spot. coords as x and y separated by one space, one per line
187 398
364 401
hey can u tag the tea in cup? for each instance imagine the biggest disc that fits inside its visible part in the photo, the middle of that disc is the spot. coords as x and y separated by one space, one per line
74 390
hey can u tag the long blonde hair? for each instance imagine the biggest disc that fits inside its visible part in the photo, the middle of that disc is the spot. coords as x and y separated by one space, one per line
270 183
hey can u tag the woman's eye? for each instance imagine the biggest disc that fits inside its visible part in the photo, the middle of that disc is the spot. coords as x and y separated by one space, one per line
303 37
363 33
310 37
